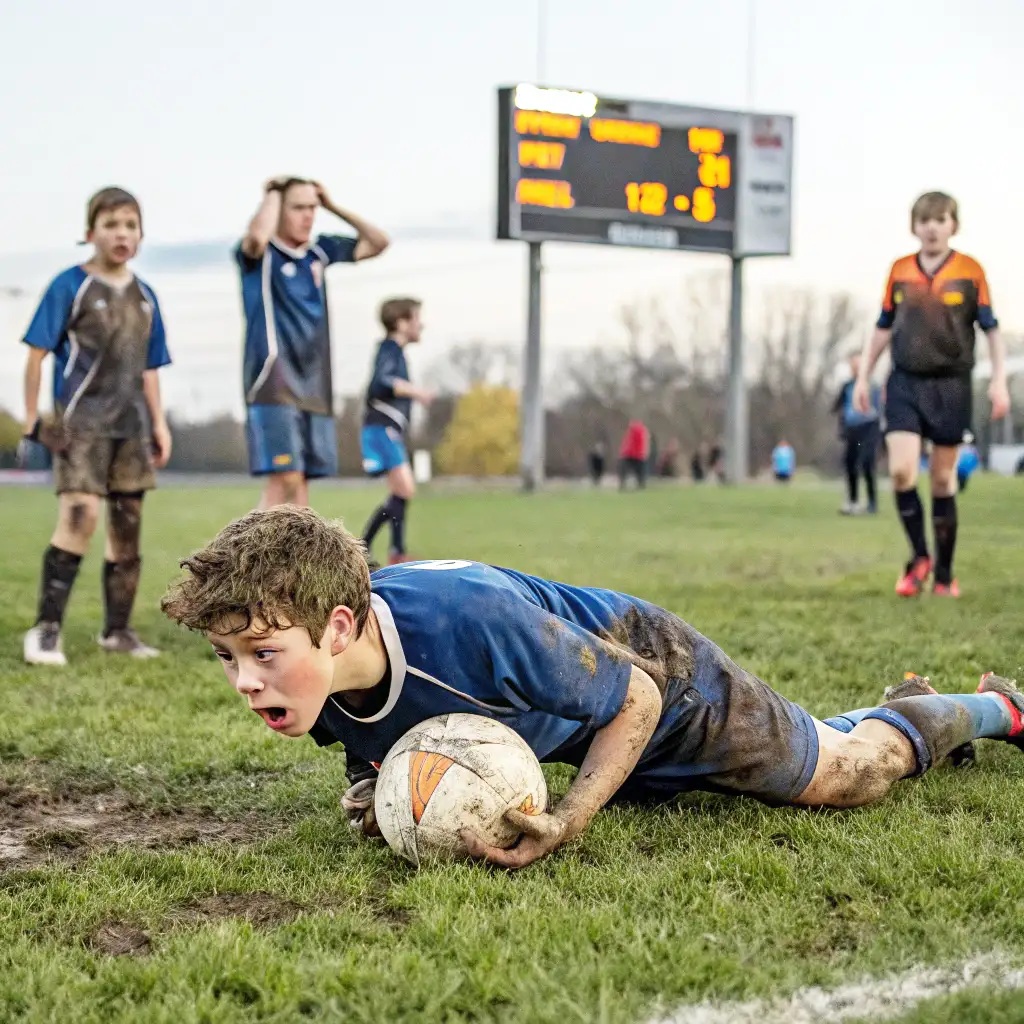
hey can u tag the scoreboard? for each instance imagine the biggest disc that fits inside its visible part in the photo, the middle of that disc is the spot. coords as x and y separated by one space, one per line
576 167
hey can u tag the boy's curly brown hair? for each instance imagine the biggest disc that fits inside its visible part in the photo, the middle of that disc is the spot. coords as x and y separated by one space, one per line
282 566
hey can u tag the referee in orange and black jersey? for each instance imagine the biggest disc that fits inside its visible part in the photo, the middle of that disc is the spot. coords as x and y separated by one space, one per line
933 300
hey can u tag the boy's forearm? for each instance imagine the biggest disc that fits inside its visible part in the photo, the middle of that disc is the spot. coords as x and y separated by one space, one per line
873 348
370 233
996 354
613 754
405 389
263 224
33 378
151 391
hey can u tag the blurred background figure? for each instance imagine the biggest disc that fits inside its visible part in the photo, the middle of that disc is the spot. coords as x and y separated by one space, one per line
860 432
595 462
666 464
783 461
716 461
967 461
697 464
634 452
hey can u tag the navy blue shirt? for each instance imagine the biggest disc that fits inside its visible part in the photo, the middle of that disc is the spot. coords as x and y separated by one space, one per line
550 660
287 329
383 407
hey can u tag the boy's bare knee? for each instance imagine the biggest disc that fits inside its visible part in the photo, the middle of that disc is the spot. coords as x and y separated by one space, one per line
80 514
903 477
284 489
855 772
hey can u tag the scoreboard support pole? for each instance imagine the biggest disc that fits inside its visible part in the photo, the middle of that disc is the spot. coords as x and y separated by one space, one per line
737 431
531 420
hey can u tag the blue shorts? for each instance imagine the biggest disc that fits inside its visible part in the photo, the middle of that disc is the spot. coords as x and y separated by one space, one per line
283 439
722 730
383 450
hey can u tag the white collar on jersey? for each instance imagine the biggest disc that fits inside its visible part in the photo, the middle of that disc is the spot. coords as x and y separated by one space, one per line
296 254
396 657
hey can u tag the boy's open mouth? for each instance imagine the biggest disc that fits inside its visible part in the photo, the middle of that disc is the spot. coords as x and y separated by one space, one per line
275 717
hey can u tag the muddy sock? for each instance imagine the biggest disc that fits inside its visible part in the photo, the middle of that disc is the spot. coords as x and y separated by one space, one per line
944 525
396 513
60 568
908 504
120 584
374 523
937 724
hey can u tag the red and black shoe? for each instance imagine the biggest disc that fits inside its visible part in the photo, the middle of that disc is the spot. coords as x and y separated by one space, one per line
911 583
950 589
399 559
1007 689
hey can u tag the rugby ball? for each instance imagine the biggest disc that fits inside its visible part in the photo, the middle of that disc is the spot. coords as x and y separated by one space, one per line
451 773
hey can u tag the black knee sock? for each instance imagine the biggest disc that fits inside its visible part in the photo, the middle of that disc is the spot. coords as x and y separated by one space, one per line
912 516
852 453
59 571
374 523
944 525
396 513
869 482
120 585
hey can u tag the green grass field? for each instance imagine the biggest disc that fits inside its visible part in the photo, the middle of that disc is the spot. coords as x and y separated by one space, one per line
164 857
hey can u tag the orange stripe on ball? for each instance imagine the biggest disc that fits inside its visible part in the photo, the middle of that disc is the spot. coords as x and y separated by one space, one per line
425 774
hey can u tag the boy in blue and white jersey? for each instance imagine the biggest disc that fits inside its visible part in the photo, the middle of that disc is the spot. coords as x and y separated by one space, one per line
643 704
389 398
289 392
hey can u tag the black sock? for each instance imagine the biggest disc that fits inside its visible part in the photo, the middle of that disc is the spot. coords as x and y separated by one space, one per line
908 504
869 482
852 453
120 585
396 513
944 525
374 523
59 571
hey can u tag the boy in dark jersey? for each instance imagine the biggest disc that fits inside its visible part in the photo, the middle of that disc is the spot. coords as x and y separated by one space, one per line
107 431
389 398
289 393
933 300
643 704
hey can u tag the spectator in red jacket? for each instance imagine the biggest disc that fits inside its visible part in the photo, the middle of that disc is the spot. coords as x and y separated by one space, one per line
634 452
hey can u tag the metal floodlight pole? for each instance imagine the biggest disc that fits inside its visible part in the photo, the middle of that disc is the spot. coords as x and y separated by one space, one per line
737 429
531 422
737 438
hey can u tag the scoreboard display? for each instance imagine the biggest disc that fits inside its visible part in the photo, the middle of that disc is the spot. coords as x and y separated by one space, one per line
576 167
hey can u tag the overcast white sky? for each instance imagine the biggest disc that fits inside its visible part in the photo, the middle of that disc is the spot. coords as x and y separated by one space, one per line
192 104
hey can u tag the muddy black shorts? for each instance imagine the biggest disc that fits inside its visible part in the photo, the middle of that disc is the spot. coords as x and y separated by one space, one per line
92 464
937 409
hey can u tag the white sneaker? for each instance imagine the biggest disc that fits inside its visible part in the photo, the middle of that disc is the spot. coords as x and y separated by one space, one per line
42 645
126 641
850 509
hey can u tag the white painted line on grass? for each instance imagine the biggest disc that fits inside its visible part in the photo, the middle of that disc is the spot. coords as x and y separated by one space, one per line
873 998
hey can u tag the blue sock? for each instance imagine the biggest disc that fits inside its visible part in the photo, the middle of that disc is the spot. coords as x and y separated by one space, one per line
937 724
988 711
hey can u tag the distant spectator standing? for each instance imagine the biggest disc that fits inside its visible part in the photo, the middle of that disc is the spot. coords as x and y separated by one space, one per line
634 452
595 462
861 433
783 461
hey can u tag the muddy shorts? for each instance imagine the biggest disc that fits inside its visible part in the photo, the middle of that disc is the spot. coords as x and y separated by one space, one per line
723 730
93 464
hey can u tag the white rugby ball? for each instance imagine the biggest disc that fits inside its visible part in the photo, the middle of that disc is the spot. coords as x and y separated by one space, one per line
455 772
